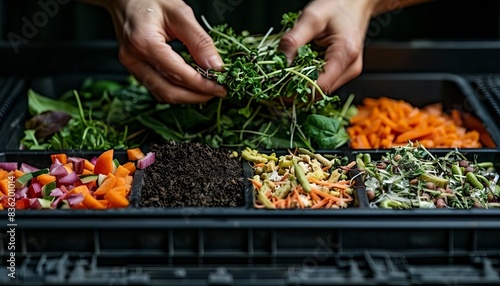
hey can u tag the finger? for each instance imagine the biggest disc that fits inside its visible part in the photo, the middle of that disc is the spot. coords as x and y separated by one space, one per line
308 26
173 67
343 61
199 43
162 89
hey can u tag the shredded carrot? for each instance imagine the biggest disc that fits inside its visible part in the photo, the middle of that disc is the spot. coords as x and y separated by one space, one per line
256 183
339 185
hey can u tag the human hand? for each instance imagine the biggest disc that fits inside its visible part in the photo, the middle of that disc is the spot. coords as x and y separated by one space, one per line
144 29
338 25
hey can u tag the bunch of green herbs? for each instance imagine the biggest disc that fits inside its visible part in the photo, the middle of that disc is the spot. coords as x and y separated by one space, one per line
270 104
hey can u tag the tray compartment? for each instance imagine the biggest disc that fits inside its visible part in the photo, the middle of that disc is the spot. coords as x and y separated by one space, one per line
452 90
359 194
41 159
471 154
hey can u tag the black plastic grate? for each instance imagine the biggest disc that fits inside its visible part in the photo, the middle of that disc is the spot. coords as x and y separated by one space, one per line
9 91
489 88
367 268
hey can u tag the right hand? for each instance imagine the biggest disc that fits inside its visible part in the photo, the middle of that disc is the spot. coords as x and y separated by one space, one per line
144 29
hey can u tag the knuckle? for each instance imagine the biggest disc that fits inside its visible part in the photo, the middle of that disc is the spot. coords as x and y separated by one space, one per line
183 11
314 16
357 68
204 42
290 40
353 49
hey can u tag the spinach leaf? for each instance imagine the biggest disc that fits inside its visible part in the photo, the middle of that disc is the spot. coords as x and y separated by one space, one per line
327 132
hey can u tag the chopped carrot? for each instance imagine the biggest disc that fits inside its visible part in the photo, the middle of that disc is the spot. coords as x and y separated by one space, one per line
116 200
130 166
90 202
135 154
45 179
121 190
82 189
104 203
107 185
88 166
386 123
4 186
87 172
104 164
18 173
3 174
121 171
68 167
62 158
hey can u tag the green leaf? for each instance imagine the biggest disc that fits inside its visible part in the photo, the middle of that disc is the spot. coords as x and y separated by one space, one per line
158 127
38 103
327 132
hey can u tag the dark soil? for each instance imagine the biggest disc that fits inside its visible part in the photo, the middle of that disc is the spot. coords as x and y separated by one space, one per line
193 175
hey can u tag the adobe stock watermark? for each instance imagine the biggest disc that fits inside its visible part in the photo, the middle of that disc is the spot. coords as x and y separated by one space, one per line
11 228
39 19
381 21
324 250
223 6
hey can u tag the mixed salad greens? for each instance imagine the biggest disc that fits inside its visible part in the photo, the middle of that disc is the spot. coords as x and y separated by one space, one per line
411 177
269 105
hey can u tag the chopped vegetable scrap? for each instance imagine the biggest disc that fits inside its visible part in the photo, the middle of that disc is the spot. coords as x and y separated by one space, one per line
411 177
70 183
385 123
304 180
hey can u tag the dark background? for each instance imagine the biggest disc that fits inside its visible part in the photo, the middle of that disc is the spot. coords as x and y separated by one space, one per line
80 37
469 20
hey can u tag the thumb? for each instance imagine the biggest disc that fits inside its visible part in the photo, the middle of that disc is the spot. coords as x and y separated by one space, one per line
198 42
305 30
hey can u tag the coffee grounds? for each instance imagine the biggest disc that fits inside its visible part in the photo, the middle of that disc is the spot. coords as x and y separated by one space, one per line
193 175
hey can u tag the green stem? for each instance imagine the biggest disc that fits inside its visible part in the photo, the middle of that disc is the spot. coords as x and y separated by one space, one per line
80 108
225 36
312 82
249 120
219 111
346 106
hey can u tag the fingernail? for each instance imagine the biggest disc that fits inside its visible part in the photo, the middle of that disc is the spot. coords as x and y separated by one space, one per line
215 62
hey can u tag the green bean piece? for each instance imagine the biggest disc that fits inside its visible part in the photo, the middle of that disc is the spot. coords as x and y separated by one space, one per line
247 155
472 179
261 197
301 176
483 178
455 169
439 182
367 159
361 164
485 165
